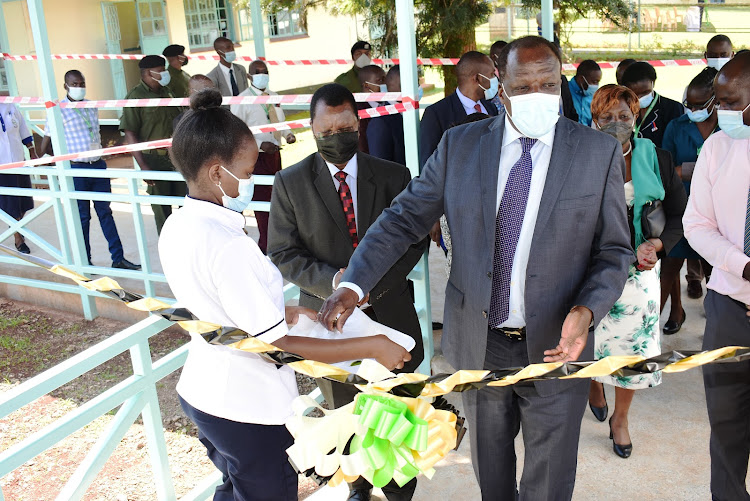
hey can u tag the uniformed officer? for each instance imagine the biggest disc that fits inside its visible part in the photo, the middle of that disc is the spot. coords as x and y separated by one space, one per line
361 56
149 124
176 60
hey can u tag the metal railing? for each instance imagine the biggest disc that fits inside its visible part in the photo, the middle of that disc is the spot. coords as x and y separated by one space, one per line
136 396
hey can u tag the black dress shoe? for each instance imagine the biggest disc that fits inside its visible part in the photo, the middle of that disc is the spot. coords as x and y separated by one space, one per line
126 265
623 451
23 248
360 495
600 413
673 327
437 326
694 289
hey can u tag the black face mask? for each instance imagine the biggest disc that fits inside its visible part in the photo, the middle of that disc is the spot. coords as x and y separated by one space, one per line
338 148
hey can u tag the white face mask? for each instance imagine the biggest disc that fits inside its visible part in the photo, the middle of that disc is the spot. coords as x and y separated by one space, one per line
164 79
362 61
77 93
732 123
646 100
245 188
534 115
260 81
230 56
381 87
717 62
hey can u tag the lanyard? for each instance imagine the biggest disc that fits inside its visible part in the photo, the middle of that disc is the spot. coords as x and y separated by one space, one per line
88 123
2 122
648 111
264 106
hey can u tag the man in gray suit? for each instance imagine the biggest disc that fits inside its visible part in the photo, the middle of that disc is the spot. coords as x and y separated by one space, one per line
541 248
228 77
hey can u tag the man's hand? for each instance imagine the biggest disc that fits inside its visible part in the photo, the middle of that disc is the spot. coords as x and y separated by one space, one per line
436 233
290 138
292 314
337 308
746 272
389 354
268 147
575 332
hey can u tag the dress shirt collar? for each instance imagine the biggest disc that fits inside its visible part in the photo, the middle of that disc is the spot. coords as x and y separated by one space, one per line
226 69
511 134
350 169
466 102
226 217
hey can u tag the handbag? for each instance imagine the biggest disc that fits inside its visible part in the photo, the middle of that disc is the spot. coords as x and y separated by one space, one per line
653 219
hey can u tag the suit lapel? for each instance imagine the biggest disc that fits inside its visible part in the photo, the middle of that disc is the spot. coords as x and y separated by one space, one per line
490 145
327 191
459 113
563 152
365 195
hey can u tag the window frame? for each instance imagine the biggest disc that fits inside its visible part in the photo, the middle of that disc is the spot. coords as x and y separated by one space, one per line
199 21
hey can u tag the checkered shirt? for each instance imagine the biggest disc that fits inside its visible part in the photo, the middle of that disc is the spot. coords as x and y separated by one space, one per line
78 135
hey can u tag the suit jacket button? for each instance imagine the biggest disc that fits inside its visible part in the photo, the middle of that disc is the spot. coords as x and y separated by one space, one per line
484 313
489 274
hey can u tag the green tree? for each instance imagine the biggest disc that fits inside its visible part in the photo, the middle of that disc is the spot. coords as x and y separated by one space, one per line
444 28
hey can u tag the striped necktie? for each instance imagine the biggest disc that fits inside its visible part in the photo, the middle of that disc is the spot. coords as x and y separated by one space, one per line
747 227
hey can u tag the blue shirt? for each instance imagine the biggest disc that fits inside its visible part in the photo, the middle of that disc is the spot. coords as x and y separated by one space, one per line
81 130
683 140
581 101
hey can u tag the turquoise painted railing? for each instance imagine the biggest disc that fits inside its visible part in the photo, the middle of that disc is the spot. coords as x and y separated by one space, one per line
137 397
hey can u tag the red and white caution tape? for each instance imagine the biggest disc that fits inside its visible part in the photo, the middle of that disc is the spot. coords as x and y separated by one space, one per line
140 103
380 111
437 61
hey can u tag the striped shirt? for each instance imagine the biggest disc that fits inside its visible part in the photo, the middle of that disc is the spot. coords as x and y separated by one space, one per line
81 129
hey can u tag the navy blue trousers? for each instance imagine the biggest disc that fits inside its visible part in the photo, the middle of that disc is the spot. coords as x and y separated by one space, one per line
251 457
103 211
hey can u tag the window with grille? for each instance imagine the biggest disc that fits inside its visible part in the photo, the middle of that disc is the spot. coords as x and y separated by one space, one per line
285 23
206 20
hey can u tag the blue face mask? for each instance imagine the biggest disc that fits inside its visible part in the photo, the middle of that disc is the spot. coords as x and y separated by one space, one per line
230 56
732 123
491 91
591 89
246 187
420 93
701 115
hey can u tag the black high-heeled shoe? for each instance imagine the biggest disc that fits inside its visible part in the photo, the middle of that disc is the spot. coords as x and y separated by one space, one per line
623 451
600 413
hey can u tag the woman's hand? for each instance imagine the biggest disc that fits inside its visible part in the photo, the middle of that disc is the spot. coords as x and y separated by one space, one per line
646 254
389 354
292 314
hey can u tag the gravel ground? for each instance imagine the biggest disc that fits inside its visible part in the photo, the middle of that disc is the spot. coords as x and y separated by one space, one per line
33 339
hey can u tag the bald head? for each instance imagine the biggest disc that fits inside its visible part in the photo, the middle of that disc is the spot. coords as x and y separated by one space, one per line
256 67
474 71
733 86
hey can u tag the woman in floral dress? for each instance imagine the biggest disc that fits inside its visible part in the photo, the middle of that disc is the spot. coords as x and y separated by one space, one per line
632 326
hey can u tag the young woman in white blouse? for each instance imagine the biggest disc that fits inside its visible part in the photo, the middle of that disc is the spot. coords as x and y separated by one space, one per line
238 401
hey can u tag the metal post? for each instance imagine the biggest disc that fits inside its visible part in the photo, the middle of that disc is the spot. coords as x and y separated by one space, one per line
407 53
547 28
5 45
256 13
71 237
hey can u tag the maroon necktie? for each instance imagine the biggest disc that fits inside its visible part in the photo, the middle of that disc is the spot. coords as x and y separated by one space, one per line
346 201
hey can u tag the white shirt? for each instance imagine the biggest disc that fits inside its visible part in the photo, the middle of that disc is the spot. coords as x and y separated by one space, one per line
540 158
11 139
217 272
468 104
255 114
225 71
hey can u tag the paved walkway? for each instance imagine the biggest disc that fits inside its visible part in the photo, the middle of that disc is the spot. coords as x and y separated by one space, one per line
668 427
668 424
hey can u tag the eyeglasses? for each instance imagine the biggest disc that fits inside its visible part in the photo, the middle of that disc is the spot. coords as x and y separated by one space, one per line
329 133
701 107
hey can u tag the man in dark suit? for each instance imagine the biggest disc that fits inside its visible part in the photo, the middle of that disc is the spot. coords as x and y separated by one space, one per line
320 209
475 73
385 135
541 249
230 78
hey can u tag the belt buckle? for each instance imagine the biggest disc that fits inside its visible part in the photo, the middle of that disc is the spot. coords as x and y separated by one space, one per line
513 334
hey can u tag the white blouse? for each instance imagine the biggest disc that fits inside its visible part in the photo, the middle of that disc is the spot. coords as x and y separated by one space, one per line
217 272
12 134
